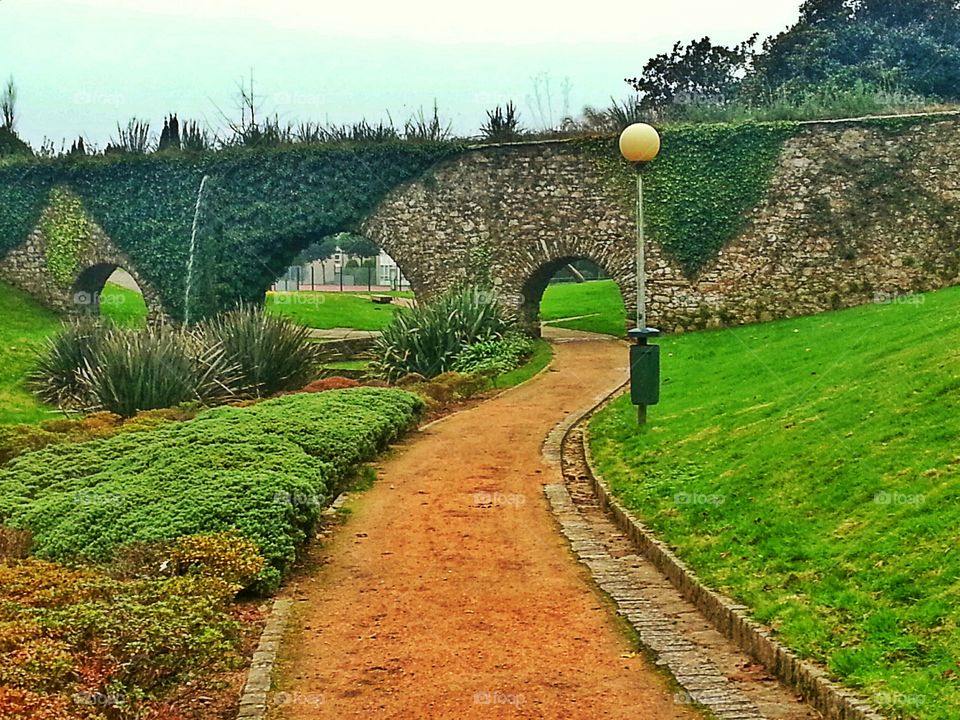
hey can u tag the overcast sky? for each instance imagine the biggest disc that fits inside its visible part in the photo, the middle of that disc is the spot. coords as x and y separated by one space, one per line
82 65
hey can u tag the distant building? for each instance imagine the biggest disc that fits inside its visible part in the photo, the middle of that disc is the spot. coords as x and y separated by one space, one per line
326 273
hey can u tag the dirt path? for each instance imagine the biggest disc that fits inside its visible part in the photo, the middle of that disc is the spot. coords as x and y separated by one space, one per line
450 593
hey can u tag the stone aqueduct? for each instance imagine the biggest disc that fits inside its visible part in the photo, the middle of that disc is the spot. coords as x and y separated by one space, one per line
821 238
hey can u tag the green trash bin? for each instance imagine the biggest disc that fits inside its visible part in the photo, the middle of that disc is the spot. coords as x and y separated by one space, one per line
645 374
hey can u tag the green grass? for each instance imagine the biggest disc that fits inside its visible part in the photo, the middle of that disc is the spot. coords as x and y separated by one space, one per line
599 300
348 365
326 310
542 355
24 326
810 468
123 307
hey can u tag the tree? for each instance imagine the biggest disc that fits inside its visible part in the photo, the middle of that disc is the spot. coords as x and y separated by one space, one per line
10 142
699 72
321 250
170 135
8 105
357 245
910 45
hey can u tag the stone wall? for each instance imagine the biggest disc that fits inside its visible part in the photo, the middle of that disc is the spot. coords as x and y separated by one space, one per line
855 213
26 267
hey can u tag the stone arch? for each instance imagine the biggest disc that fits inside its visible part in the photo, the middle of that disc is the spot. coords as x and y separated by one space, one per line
524 210
526 304
87 289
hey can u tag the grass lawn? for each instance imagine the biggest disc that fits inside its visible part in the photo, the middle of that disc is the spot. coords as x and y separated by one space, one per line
124 307
810 468
599 300
325 310
23 328
542 355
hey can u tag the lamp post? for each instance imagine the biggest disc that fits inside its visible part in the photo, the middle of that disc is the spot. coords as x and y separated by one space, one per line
639 145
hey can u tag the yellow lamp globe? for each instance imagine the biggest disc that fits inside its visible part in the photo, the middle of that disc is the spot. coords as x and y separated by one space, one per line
639 143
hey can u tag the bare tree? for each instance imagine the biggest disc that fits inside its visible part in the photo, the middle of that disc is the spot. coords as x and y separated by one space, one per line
8 105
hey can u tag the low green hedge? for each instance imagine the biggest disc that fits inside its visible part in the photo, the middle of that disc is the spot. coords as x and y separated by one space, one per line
266 471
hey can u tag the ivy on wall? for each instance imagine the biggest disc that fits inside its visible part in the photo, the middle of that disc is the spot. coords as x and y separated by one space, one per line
24 193
698 192
263 206
260 209
66 229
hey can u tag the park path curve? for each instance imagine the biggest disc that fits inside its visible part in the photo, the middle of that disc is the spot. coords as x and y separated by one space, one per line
450 593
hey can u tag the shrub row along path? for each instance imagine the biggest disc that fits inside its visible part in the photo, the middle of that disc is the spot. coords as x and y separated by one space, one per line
450 593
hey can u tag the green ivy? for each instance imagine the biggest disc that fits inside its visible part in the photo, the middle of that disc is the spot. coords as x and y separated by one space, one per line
698 192
264 206
66 229
261 208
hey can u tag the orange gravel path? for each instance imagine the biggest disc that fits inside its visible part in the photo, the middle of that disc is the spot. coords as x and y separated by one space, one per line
450 593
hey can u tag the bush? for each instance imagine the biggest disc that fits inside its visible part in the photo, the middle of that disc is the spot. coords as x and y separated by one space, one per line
155 368
428 339
331 383
225 556
129 370
264 471
67 635
57 379
495 357
271 353
18 439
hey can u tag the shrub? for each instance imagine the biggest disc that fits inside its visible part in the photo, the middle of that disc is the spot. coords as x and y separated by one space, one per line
264 471
272 354
331 383
66 635
128 370
57 378
452 386
496 356
18 439
225 556
14 544
427 339
155 368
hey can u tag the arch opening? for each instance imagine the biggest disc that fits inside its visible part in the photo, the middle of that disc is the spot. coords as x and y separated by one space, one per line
108 290
576 293
345 261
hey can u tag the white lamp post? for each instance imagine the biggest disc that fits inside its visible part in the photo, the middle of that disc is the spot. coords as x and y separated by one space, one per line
640 144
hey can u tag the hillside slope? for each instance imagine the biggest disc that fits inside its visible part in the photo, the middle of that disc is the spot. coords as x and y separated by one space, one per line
23 326
810 468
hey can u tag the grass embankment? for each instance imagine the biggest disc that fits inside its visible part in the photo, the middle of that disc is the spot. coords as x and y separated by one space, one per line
596 304
24 324
810 468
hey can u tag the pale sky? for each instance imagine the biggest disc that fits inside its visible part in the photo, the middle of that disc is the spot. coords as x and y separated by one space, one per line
82 65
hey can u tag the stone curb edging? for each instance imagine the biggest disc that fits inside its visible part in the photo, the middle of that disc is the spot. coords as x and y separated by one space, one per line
729 618
254 700
701 681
